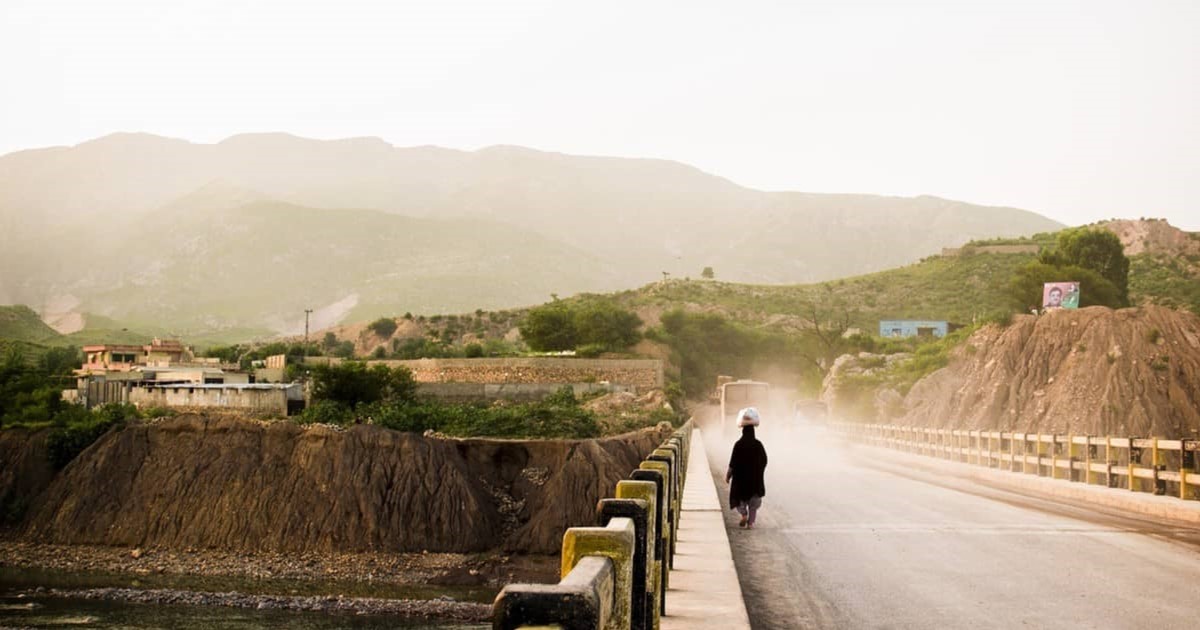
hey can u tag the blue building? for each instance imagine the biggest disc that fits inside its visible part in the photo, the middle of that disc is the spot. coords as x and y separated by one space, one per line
913 328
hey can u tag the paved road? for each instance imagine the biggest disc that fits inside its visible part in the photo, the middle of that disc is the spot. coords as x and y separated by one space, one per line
843 544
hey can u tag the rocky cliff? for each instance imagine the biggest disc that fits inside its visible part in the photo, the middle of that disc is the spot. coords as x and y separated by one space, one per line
1129 372
195 482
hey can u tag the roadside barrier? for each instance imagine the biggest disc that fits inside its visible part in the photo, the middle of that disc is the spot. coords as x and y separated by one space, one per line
615 574
1152 465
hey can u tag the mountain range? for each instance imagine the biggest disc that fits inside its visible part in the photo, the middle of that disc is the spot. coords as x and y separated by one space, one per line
248 232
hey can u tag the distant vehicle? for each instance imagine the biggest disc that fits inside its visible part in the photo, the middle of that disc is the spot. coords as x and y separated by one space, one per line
715 396
810 411
742 393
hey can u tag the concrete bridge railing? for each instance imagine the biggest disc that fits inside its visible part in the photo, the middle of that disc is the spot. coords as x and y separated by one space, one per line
614 574
1154 465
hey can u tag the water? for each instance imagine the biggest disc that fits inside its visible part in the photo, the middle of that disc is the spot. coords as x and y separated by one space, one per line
55 612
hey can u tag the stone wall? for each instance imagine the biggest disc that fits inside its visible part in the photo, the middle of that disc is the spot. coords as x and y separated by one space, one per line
637 374
519 392
272 401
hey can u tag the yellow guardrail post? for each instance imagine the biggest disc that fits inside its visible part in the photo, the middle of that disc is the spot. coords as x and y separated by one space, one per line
1089 477
668 500
1132 480
648 491
615 542
1187 464
1054 456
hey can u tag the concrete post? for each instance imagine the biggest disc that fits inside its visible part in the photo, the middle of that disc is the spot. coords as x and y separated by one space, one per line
660 527
615 542
635 510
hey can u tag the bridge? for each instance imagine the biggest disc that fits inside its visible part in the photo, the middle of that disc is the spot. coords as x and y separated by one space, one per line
884 527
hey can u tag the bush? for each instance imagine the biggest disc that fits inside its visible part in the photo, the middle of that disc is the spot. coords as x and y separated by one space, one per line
343 349
1025 288
550 327
326 412
558 416
352 383
82 429
473 351
1095 250
604 324
384 327
559 325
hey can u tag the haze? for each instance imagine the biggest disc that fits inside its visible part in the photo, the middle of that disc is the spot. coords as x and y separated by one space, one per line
1078 110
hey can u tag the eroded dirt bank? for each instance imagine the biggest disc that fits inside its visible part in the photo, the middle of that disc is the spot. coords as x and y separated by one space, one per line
1095 371
243 486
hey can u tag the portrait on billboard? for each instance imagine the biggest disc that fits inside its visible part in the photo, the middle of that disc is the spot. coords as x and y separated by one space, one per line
1060 295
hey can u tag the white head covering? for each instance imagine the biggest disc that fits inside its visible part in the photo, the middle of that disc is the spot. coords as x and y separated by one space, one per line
747 417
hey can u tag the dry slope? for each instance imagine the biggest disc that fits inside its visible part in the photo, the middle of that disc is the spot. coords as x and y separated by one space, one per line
1130 372
241 485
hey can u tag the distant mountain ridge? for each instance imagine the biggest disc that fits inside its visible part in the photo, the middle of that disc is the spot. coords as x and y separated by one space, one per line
146 229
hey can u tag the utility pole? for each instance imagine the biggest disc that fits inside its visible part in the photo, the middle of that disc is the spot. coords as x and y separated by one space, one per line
306 313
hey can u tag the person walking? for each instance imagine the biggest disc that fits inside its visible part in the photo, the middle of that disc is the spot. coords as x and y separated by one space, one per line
745 473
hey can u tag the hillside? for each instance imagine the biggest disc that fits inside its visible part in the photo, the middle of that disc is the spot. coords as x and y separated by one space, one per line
963 288
111 225
969 287
1095 371
257 267
21 323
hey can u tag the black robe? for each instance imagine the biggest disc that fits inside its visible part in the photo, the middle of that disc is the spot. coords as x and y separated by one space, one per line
746 466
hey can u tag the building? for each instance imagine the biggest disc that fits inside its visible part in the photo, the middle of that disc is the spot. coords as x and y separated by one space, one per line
273 399
110 372
104 358
915 328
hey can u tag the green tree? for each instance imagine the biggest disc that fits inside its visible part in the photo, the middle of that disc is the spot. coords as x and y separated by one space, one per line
352 382
384 327
1096 250
604 324
343 349
329 342
707 273
550 327
1025 288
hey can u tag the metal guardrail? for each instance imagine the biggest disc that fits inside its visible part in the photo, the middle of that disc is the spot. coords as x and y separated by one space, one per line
1117 462
614 575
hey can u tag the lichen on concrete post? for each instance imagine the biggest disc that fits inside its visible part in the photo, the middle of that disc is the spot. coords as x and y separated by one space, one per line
643 559
659 518
662 469
615 542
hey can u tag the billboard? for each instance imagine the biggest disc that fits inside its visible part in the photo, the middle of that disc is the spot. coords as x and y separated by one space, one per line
1060 295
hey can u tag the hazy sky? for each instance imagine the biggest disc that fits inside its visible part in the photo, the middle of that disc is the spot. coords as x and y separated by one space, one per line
1080 110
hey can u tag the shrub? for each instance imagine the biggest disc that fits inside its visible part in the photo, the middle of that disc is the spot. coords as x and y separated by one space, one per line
351 383
326 412
384 327
590 350
83 429
558 416
603 323
550 327
473 351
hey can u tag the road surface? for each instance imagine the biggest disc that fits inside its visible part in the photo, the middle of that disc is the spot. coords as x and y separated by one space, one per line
841 543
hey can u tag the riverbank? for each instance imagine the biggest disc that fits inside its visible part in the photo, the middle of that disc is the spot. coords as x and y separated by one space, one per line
354 572
439 609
